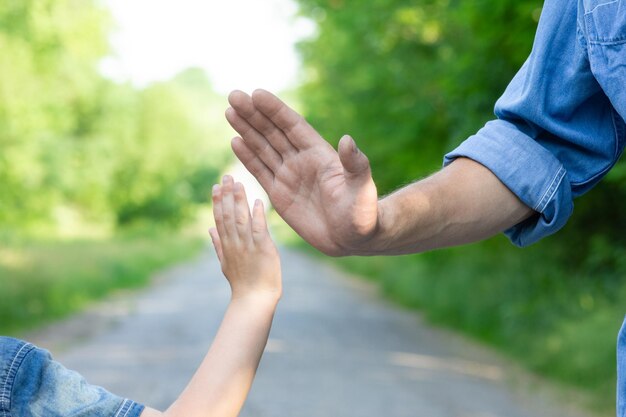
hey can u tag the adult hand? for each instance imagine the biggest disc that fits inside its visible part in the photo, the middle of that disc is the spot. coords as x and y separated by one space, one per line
327 197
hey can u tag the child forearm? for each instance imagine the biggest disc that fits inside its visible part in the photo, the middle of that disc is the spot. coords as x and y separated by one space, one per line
220 385
251 264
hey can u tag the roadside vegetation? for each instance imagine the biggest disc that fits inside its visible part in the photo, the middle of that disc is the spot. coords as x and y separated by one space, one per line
97 177
43 281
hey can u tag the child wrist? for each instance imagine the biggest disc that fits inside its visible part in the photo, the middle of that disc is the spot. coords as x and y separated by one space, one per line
265 298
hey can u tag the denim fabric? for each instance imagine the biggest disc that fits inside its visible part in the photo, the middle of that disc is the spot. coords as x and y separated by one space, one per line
33 385
560 123
621 372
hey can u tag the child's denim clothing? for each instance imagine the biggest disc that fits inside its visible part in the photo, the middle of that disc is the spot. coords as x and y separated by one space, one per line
33 385
560 123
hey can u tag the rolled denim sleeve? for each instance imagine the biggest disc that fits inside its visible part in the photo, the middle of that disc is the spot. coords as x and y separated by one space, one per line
32 384
532 172
556 133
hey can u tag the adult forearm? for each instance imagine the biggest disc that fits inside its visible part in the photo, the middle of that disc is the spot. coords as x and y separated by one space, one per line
462 203
220 385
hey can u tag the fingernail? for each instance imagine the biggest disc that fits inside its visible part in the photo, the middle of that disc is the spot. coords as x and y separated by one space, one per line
226 178
354 148
216 188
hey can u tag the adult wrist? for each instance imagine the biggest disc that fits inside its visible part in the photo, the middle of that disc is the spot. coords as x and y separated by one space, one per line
377 241
407 222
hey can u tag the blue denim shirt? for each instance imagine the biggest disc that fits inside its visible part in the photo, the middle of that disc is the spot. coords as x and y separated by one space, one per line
560 122
33 385
621 372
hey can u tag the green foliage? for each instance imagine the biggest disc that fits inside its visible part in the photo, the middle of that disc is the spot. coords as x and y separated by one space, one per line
52 47
72 139
40 281
174 153
409 79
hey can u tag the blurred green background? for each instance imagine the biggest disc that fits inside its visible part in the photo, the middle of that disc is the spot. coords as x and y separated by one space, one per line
98 179
101 180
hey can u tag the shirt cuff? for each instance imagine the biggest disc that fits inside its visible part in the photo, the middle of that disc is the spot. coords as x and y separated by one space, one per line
529 170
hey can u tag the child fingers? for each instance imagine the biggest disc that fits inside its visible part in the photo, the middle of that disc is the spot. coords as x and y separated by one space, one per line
217 210
242 212
228 208
217 243
259 224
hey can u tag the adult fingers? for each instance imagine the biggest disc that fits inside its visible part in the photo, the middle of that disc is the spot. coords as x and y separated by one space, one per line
242 103
253 163
255 140
296 129
242 213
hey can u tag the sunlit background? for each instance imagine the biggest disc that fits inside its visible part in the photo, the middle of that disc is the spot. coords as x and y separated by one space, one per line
112 133
241 44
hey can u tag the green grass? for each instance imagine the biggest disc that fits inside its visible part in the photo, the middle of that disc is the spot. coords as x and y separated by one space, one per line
44 281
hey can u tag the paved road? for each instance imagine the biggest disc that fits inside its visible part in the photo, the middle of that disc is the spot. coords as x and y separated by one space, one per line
336 350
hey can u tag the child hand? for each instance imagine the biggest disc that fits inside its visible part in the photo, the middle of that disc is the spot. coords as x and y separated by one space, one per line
245 250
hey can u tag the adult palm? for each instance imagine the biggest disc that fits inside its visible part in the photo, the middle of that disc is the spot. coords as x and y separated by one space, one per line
327 197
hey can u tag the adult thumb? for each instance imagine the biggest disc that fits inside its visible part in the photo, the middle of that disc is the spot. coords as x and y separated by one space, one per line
355 163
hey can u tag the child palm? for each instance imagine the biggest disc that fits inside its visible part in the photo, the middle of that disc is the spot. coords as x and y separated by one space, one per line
244 247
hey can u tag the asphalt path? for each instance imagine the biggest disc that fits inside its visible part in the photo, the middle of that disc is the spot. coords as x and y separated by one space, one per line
336 349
